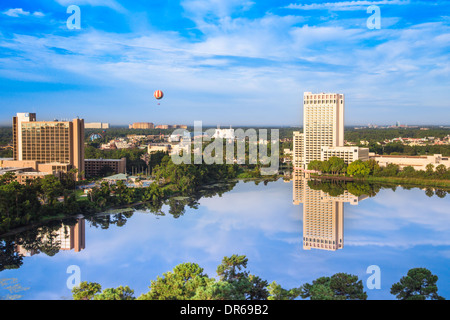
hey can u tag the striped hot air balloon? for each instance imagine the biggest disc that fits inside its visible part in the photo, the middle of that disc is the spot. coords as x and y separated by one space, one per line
158 94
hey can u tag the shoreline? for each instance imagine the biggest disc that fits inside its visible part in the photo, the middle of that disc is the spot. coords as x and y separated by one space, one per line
417 182
105 211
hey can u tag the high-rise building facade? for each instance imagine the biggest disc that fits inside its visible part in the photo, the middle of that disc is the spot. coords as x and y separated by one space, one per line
323 123
298 150
323 132
47 146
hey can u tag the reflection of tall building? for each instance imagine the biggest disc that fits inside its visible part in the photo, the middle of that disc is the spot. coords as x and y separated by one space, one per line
67 238
72 237
323 215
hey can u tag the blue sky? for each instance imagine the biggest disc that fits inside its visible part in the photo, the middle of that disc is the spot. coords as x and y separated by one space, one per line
224 61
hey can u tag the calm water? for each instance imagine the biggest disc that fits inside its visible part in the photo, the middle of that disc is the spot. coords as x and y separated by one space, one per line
395 230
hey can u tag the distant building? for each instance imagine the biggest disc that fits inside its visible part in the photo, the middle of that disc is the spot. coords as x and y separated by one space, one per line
96 125
224 134
142 125
168 126
158 147
94 167
417 162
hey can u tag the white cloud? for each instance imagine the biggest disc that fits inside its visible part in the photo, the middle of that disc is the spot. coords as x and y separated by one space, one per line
112 4
345 5
16 12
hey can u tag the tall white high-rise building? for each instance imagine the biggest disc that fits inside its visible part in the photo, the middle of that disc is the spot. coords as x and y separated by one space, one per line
323 132
323 124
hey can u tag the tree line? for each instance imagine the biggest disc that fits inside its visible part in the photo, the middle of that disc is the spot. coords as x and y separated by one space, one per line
50 196
359 168
188 281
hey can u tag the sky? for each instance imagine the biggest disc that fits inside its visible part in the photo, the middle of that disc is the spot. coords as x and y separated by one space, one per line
225 62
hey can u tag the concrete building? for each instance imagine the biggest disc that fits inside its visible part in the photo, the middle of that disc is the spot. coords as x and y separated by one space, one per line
348 154
158 147
298 149
47 146
96 125
94 167
417 162
224 134
323 131
323 123
142 125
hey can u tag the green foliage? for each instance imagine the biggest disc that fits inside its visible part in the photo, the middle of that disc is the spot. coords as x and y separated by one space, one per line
340 286
180 284
358 168
120 293
86 290
187 281
188 177
418 284
276 292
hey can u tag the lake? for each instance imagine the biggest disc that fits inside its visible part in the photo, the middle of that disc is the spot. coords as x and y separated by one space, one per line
290 232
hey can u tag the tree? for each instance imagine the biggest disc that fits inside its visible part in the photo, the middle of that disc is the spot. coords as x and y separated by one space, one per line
51 188
228 269
337 165
429 169
180 284
358 168
120 293
244 286
441 170
418 284
429 192
340 286
86 290
441 193
315 165
276 292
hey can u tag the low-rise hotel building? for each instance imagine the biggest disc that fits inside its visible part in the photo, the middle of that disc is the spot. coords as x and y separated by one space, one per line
348 154
94 167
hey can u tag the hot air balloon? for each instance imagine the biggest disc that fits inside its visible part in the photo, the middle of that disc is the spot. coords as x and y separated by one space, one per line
158 94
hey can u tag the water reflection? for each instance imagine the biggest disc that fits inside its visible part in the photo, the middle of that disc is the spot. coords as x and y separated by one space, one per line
397 229
323 214
70 234
64 235
67 237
